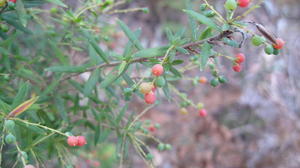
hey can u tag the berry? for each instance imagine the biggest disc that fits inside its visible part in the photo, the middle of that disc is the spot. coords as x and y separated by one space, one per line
168 146
202 80
214 82
276 51
222 79
24 155
14 1
9 138
269 49
209 13
160 82
157 125
29 166
183 111
72 141
146 87
237 68
157 70
243 3
202 113
152 129
149 156
257 40
230 4
200 105
2 3
203 7
150 98
9 125
239 58
81 141
161 147
279 44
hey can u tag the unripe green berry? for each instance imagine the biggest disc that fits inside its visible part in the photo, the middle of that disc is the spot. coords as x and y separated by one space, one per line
157 125
257 40
200 106
24 155
214 82
230 4
269 49
10 138
209 13
214 73
168 147
203 7
4 27
222 79
149 156
9 125
276 51
161 147
160 81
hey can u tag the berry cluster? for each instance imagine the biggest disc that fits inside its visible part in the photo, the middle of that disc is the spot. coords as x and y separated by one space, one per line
239 59
76 141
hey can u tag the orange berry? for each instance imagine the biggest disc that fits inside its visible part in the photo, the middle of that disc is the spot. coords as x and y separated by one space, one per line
202 79
279 44
239 58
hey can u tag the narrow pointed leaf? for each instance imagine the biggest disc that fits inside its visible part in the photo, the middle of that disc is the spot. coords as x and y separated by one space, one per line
23 107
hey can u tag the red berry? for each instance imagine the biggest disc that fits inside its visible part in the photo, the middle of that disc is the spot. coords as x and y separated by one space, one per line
72 141
157 70
202 79
81 141
202 113
243 3
279 44
237 68
239 58
152 129
150 98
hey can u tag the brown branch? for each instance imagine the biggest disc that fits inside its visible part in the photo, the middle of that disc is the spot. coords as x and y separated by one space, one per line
186 46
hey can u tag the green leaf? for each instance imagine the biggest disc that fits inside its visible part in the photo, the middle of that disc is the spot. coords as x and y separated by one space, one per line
206 33
206 52
201 18
13 20
177 62
21 95
93 55
131 36
21 12
122 67
4 107
58 2
91 83
127 54
151 52
60 105
109 79
175 71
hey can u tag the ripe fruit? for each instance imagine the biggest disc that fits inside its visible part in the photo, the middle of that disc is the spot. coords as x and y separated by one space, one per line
14 1
9 138
9 125
183 111
72 141
269 49
258 40
230 4
29 166
279 44
160 82
150 98
202 79
243 3
81 141
239 58
152 129
157 70
202 113
146 87
214 82
237 68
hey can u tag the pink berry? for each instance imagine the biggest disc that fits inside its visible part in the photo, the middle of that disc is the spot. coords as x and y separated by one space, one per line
152 129
157 70
279 44
202 113
237 68
239 58
150 98
81 141
72 141
14 1
243 3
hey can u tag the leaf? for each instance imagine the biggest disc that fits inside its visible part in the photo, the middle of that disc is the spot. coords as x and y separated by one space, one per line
131 36
91 83
201 18
129 46
206 33
13 20
122 67
58 2
151 52
4 107
21 12
110 78
93 55
22 107
60 105
21 95
175 71
206 52
177 62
